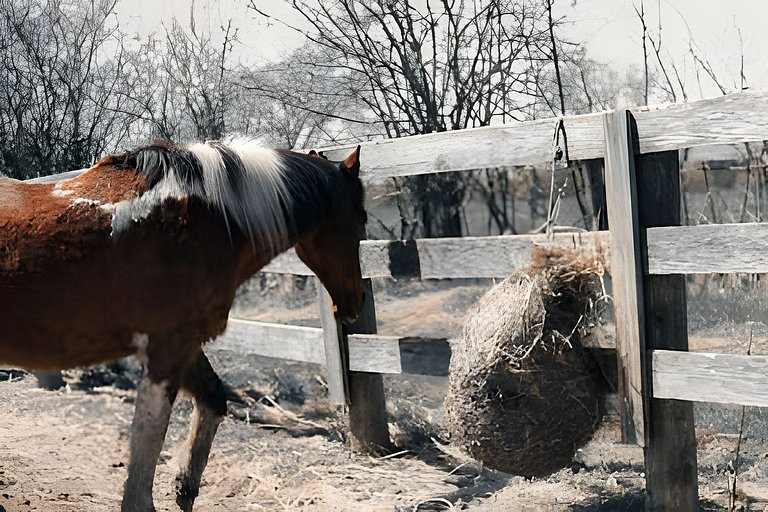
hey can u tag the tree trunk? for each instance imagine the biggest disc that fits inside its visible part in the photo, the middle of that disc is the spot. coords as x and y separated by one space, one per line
439 204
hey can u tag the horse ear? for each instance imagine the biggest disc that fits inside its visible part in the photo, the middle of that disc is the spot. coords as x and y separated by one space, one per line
352 163
315 154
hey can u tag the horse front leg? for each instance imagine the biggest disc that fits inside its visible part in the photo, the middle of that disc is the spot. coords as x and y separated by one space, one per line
210 407
154 401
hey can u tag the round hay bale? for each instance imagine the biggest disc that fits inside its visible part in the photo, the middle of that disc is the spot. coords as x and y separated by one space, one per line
524 395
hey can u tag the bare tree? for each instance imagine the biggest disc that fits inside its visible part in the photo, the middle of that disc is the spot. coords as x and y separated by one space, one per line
58 80
448 65
197 71
299 104
641 16
664 74
586 84
183 86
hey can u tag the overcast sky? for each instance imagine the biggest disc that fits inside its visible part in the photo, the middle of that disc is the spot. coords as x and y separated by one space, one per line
609 28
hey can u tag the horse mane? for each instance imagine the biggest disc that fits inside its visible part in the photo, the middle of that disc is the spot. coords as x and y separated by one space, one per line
249 185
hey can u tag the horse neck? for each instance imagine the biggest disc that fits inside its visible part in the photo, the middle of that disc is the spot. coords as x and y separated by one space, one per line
312 189
314 186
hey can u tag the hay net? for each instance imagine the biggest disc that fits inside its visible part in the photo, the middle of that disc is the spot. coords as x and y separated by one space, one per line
511 320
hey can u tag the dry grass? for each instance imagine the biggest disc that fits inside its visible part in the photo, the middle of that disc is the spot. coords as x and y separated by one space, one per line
523 393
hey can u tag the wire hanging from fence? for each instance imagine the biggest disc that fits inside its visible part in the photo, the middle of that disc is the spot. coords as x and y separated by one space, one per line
558 152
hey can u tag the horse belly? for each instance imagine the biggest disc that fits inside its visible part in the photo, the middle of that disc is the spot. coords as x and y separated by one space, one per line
87 312
46 328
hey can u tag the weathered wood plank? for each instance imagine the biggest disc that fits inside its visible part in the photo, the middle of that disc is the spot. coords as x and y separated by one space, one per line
476 148
621 200
670 455
730 119
272 340
727 119
334 348
372 353
706 377
494 256
367 351
451 258
711 248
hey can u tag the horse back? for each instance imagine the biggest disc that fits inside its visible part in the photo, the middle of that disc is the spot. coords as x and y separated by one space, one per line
45 224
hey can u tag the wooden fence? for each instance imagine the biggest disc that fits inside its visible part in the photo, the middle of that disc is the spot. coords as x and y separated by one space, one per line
650 253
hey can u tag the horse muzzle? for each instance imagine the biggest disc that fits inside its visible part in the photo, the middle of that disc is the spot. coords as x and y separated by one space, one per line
350 310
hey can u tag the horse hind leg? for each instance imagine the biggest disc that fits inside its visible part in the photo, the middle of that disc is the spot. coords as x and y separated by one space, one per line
154 401
210 407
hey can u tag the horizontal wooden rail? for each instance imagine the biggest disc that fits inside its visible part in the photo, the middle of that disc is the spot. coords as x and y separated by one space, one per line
727 119
450 258
705 377
367 353
710 248
272 340
516 144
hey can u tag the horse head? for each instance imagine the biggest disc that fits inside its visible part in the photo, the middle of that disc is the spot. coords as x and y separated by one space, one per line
332 249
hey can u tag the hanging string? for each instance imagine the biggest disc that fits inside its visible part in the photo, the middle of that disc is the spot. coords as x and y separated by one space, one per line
559 150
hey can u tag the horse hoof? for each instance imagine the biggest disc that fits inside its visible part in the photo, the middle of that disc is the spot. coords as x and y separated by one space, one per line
147 508
185 495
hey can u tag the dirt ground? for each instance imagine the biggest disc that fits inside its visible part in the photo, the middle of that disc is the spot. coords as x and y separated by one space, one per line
67 450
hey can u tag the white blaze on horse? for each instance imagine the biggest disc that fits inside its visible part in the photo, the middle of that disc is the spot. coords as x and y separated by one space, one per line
142 254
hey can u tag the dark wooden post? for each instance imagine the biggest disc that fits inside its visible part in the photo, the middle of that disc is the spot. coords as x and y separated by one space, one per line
643 192
367 408
670 453
363 392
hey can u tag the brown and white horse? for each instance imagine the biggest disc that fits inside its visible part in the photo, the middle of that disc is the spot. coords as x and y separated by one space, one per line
142 254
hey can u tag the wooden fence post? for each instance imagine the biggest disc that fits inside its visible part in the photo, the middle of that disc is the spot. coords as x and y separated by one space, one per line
643 192
336 353
367 408
363 392
626 273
